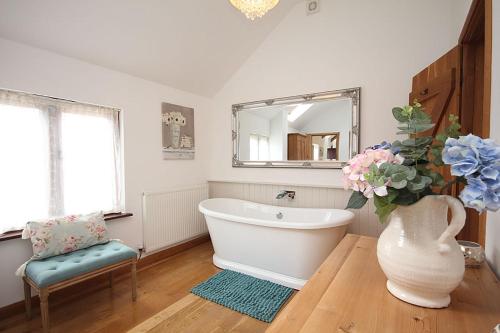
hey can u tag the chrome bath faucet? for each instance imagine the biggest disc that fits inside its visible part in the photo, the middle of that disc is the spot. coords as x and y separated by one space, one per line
289 194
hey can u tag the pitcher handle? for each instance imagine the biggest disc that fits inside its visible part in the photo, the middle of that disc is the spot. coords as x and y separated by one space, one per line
456 224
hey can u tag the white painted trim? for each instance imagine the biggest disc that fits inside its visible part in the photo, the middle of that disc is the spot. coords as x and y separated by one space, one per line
273 183
263 274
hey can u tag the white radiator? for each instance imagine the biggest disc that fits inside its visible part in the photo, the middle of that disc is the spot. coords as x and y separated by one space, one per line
172 216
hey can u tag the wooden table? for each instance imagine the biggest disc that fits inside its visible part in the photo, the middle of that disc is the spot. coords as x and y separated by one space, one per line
347 294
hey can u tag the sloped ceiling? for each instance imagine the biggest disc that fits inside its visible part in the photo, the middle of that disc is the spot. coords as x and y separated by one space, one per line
192 45
339 105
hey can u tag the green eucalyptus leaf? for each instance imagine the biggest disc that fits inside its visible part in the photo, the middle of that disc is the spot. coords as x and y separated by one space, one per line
438 162
412 173
441 137
427 180
408 143
384 168
421 116
383 207
416 185
357 200
392 194
405 198
399 176
421 127
419 183
397 112
437 178
399 184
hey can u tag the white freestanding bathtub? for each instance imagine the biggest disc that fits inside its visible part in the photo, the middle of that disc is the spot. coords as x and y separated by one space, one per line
251 238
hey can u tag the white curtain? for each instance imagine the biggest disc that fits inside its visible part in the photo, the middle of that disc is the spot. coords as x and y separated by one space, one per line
57 157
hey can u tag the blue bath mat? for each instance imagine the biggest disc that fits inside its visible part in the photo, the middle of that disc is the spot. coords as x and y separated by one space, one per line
257 298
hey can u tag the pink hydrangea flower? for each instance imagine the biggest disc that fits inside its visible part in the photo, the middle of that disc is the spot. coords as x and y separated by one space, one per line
359 165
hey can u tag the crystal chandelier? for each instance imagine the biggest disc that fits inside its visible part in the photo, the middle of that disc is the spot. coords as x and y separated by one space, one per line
254 8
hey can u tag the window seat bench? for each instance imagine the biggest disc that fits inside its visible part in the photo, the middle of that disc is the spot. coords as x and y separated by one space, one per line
54 273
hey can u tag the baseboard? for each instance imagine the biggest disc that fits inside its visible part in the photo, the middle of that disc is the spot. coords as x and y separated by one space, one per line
159 256
101 282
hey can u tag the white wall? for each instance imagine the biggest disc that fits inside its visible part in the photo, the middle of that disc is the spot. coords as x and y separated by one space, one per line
378 45
460 9
493 221
32 70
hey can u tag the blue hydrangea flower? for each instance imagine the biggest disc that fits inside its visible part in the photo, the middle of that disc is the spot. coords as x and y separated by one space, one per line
472 194
395 150
478 161
489 152
490 175
386 145
492 200
382 145
461 155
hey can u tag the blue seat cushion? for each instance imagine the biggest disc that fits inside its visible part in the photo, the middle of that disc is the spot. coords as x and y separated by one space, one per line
66 266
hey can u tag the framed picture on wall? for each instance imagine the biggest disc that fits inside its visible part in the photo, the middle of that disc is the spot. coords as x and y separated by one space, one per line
177 132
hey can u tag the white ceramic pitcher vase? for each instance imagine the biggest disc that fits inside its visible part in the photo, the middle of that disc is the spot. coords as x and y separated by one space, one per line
418 251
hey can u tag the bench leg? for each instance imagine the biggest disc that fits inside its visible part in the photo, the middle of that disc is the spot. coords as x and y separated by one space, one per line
134 280
27 298
44 309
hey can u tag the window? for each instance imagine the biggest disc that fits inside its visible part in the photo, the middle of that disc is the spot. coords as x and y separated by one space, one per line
315 151
259 147
57 157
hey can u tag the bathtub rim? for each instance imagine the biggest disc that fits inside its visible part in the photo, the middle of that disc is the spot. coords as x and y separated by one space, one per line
273 224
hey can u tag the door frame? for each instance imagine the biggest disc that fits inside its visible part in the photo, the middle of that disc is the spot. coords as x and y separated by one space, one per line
478 25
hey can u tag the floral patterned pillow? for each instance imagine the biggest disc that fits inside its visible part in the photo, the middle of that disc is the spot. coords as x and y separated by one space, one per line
65 234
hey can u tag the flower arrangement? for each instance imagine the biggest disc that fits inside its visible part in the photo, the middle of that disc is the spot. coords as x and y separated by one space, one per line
166 118
178 118
175 118
401 173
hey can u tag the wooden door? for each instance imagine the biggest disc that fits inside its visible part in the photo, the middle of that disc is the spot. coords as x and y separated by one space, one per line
460 83
292 147
437 88
308 148
296 146
299 147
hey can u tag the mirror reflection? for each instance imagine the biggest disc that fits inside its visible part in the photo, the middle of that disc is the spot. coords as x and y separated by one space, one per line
305 131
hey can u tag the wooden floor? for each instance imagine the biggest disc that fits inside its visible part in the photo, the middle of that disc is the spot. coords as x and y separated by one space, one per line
164 285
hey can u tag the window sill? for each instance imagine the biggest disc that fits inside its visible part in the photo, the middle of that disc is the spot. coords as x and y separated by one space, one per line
17 233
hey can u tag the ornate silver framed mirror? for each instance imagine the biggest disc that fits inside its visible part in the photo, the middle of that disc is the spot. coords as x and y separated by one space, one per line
319 130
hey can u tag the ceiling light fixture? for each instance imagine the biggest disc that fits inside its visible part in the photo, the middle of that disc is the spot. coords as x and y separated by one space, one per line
254 8
298 111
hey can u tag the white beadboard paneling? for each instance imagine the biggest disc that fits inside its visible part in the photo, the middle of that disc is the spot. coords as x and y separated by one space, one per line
365 221
172 216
